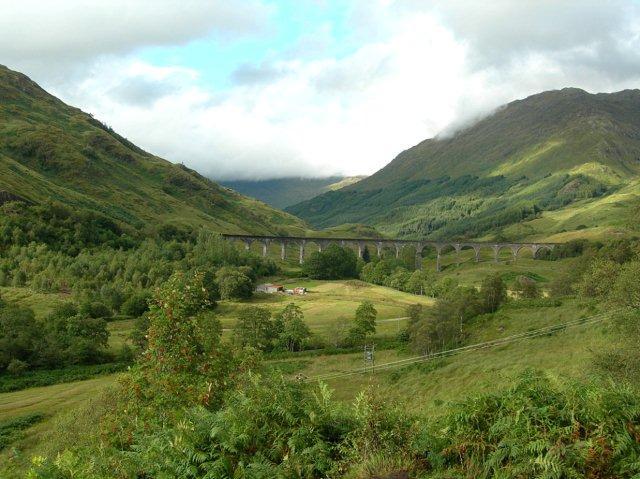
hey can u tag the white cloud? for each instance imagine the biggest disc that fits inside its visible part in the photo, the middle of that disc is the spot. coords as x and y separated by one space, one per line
421 67
73 30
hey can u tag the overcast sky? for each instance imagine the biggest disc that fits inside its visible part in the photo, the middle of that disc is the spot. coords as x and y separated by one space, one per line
263 89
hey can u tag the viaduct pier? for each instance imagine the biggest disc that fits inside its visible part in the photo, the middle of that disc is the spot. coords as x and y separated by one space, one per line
380 244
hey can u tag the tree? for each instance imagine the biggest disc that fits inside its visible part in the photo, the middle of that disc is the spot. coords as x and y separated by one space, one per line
377 272
74 337
398 279
494 293
598 278
95 309
364 323
334 262
255 328
626 289
185 361
420 282
527 287
235 282
292 330
136 304
20 335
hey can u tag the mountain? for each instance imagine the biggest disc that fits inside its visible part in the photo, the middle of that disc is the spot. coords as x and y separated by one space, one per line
547 166
50 151
283 192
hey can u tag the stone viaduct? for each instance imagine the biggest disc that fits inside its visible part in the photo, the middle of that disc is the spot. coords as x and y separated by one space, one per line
393 244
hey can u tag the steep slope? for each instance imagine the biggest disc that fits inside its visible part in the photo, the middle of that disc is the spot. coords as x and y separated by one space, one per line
552 151
283 192
51 151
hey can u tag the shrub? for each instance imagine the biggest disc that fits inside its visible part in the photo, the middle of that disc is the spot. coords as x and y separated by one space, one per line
538 429
494 293
527 288
17 367
626 289
597 280
235 282
255 328
136 304
334 262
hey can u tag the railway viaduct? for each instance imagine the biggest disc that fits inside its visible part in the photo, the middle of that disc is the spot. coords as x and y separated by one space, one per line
380 244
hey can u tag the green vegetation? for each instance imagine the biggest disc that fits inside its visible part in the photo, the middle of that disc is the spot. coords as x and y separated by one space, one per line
50 151
12 430
38 378
332 263
534 168
283 192
224 415
505 369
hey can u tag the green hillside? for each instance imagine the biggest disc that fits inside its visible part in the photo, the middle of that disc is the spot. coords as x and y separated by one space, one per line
52 151
543 160
283 192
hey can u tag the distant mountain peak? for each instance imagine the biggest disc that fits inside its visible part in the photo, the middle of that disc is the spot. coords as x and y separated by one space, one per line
499 170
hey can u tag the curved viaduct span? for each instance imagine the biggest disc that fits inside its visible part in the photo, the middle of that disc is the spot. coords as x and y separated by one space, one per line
380 244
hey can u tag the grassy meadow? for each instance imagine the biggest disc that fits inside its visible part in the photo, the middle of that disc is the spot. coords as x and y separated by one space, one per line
425 387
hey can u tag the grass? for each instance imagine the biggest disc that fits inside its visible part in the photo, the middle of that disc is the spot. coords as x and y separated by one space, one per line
329 303
47 405
428 389
39 378
13 429
50 399
41 303
51 151
119 332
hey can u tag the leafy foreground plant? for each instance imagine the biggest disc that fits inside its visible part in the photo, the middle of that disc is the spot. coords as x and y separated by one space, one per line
538 429
194 407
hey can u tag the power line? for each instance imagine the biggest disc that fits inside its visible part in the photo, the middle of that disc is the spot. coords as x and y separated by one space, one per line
474 347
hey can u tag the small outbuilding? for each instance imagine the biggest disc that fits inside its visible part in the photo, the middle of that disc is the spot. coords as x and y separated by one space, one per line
269 288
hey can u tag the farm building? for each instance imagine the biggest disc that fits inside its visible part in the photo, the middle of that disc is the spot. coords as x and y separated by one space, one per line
269 288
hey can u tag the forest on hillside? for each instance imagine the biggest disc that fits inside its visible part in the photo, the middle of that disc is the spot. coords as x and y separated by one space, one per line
194 403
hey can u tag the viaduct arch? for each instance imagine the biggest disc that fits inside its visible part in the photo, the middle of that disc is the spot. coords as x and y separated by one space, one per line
394 244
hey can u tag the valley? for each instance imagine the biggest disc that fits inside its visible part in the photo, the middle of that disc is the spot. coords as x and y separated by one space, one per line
491 274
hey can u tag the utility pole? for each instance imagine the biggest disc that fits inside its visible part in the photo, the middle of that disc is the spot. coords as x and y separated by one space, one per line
369 360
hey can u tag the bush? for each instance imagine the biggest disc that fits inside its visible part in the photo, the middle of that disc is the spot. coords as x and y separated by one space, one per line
538 429
235 282
494 293
136 304
17 367
597 280
332 263
527 288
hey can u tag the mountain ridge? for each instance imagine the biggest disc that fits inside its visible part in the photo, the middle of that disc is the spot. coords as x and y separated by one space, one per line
50 151
516 162
283 192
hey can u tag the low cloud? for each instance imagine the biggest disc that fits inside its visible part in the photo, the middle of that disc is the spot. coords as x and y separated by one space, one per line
419 69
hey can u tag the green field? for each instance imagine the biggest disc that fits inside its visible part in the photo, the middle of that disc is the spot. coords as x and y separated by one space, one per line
329 303
426 387
435 382
54 402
